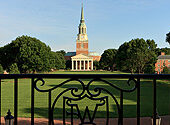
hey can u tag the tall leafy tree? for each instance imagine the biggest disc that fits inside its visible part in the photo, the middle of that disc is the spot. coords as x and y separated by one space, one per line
168 37
107 60
29 53
124 59
62 52
165 50
57 60
96 64
134 55
152 45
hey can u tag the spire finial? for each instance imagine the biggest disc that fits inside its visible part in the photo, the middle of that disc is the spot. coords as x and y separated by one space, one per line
82 12
82 3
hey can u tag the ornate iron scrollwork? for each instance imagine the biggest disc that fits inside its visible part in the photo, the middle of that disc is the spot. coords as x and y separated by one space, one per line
86 92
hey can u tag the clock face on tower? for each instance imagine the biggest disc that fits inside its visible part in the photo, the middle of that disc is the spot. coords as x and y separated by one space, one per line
82 37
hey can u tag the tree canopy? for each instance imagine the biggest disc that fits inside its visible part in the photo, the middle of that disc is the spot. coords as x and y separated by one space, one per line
165 50
57 60
135 55
1 69
168 37
107 60
30 55
13 69
61 51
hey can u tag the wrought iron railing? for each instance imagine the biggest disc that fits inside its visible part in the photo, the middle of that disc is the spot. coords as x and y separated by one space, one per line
86 92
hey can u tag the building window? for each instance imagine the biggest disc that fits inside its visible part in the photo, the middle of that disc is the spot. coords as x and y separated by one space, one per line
79 30
168 65
158 65
169 61
83 30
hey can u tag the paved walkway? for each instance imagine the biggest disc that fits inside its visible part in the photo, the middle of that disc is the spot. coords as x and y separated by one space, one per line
100 121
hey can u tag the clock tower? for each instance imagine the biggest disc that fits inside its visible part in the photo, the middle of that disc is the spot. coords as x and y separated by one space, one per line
82 39
82 59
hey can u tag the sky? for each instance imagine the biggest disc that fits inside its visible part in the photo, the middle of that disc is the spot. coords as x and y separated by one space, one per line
109 23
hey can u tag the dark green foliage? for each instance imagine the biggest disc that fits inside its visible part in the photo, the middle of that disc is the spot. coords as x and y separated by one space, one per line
165 50
57 60
152 45
149 69
107 60
96 64
168 37
29 53
68 64
13 69
62 52
33 55
1 69
8 55
134 55
166 70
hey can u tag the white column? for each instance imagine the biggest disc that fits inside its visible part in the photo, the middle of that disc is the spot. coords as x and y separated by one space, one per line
76 64
72 65
80 64
91 64
84 65
87 64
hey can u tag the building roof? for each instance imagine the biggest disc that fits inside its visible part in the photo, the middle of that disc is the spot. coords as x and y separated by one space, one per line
82 13
70 54
93 54
81 56
164 57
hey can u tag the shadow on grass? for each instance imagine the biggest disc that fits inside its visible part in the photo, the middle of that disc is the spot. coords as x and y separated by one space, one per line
128 112
129 109
146 95
58 112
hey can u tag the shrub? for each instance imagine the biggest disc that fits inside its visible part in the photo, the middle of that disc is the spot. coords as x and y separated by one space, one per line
166 70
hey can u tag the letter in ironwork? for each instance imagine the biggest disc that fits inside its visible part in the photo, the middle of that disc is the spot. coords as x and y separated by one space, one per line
90 119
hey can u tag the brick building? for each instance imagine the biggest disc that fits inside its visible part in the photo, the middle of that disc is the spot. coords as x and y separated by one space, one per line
82 59
163 60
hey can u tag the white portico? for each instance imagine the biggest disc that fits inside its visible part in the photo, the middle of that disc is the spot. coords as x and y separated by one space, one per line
82 62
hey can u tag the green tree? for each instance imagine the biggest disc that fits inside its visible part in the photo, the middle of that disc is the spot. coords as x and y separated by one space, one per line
152 45
124 59
107 60
149 69
57 60
168 37
166 70
62 52
13 69
1 69
96 64
134 55
7 55
165 50
29 53
68 64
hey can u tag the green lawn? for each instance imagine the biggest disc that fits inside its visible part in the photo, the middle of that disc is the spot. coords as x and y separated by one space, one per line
41 99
